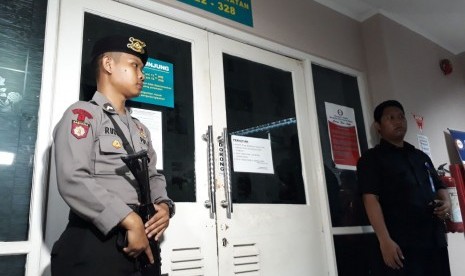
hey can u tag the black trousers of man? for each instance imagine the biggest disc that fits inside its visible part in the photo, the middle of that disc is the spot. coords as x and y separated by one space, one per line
422 262
83 250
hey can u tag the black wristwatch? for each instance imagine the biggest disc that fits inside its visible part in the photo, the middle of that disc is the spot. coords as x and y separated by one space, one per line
171 206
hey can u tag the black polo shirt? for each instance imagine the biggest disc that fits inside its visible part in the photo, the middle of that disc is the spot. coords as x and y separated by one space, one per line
402 178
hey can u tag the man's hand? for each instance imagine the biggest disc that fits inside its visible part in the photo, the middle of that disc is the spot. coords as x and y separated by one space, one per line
392 254
137 240
158 223
442 209
444 205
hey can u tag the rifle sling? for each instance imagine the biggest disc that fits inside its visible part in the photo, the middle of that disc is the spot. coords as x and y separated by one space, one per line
127 147
121 135
118 130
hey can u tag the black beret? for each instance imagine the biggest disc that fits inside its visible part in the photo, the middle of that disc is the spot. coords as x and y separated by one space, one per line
119 43
380 108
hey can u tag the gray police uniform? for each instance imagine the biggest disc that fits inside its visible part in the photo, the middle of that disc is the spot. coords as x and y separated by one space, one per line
96 184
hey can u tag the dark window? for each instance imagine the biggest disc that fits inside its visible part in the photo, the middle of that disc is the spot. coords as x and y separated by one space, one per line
13 265
260 104
22 31
344 199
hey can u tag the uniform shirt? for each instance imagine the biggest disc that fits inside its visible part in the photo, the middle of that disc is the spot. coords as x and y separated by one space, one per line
90 175
403 179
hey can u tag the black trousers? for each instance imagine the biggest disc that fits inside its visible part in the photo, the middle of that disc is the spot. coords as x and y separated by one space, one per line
83 250
422 262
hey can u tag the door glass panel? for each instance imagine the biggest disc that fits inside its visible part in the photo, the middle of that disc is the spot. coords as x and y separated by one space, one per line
178 121
12 265
22 31
260 104
345 202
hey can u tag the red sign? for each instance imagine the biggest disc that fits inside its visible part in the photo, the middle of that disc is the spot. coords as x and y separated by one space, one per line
344 144
343 137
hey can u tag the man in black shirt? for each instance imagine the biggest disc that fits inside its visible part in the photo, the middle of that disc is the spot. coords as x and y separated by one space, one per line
405 201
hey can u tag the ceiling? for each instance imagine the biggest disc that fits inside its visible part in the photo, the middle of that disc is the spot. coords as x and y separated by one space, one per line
441 21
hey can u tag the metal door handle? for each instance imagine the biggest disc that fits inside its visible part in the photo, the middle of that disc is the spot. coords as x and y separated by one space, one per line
211 202
227 203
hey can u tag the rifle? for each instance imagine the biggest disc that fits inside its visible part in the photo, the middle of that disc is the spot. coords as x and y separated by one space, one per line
138 165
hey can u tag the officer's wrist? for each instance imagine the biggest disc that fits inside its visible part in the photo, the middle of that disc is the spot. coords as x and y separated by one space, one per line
130 221
170 205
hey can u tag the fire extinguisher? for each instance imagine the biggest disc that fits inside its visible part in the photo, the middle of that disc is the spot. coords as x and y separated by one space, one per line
455 223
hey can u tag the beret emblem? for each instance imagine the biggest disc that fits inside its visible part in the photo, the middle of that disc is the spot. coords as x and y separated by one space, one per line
136 45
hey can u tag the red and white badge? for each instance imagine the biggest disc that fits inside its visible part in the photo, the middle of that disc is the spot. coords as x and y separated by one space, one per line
79 128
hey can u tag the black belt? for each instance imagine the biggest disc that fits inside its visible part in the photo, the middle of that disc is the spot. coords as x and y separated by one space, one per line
77 221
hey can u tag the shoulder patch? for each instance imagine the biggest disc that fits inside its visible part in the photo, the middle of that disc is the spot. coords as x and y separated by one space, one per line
82 114
79 128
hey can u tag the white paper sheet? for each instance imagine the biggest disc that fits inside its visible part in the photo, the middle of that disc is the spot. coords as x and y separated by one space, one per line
423 142
152 120
251 155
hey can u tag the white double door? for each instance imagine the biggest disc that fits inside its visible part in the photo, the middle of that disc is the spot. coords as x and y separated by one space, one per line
236 220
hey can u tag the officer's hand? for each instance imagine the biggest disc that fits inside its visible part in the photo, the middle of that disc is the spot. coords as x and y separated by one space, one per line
158 223
137 240
392 254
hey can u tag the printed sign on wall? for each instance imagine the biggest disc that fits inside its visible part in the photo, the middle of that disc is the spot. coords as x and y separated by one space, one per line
343 137
423 143
237 10
158 85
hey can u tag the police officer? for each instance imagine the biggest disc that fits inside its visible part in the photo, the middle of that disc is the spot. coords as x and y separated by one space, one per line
92 178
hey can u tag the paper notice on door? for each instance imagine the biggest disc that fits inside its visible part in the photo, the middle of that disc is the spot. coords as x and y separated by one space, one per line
152 120
252 155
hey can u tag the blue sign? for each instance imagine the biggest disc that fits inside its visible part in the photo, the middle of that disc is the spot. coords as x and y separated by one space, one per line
237 10
158 85
458 137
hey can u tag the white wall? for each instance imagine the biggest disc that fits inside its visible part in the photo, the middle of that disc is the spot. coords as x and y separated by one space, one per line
302 25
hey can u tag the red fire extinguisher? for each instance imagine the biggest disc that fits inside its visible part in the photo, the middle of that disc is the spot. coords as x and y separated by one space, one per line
455 223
